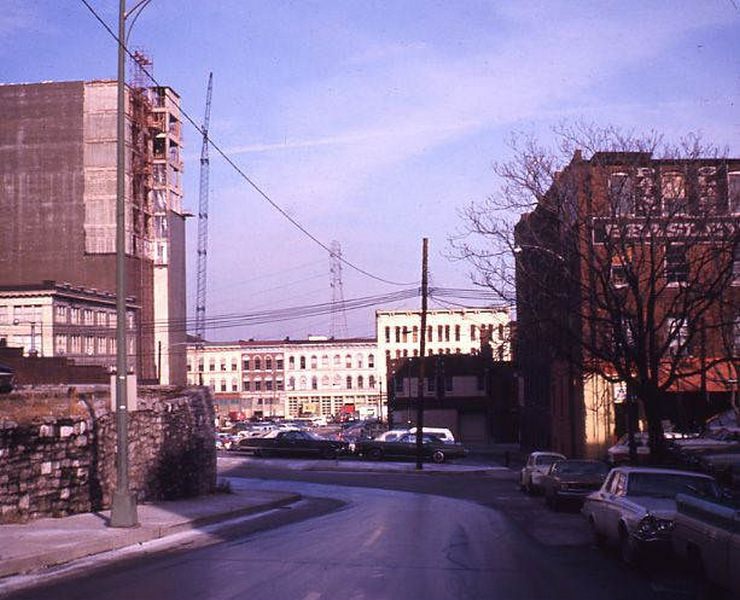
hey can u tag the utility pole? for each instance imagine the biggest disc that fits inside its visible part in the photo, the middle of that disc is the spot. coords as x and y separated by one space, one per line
123 506
422 353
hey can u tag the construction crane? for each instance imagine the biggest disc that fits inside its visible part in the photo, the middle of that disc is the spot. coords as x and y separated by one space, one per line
200 299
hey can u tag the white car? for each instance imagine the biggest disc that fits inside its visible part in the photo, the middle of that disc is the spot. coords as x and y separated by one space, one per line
538 464
636 507
439 432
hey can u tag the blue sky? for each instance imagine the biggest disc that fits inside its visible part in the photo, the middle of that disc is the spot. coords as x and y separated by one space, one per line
374 122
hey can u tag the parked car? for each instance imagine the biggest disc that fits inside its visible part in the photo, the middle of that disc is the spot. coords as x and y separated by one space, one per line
292 443
707 536
619 453
225 441
7 379
538 463
724 467
442 433
572 480
636 506
391 435
405 447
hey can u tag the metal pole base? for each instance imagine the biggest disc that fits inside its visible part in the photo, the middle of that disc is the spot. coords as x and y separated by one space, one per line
123 510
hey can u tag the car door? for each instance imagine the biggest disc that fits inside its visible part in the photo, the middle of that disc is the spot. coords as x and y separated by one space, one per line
613 505
594 506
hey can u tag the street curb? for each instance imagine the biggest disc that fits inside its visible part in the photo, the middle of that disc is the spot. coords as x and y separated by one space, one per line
131 537
410 470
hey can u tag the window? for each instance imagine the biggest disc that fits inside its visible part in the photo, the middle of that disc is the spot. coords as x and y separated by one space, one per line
268 385
314 361
676 264
620 270
60 344
303 383
473 332
337 381
257 363
360 382
387 335
291 383
440 329
371 361
338 360
268 364
60 313
314 383
302 362
279 364
246 385
279 384
291 362
212 365
245 363
430 329
645 200
447 333
223 364
223 385
359 361
348 382
348 361
501 331
405 335
398 335
234 386
415 334
325 381
709 199
733 192
678 331
673 190
620 194
257 385
457 333
324 361
234 364
371 381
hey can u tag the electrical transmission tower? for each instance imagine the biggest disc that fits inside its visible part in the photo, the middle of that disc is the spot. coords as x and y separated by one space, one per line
200 300
338 314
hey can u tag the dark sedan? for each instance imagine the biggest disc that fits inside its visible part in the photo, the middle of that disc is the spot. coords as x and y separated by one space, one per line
572 481
7 379
433 448
292 443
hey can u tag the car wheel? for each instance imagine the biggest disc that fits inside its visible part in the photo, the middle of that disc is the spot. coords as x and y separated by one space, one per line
438 456
329 453
599 538
375 454
627 550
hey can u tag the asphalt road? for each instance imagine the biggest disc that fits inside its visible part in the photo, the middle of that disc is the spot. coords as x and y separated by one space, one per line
382 536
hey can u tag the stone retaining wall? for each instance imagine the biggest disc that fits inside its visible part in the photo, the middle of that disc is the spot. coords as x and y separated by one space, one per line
57 466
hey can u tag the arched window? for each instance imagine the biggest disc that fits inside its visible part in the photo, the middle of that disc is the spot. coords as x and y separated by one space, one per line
325 381
291 383
348 382
302 362
337 360
257 363
324 361
348 361
371 361
314 362
302 383
371 381
314 383
673 191
337 381
359 361
291 362
268 363
360 382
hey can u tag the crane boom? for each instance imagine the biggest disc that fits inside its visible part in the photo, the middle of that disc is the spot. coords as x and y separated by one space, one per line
200 300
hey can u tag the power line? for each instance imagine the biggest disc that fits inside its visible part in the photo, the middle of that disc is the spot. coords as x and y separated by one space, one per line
233 165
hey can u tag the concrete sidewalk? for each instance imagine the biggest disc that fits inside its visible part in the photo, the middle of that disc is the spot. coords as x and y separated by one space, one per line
47 542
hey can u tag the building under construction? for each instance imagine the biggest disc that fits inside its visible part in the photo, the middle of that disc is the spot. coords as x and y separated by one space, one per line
58 206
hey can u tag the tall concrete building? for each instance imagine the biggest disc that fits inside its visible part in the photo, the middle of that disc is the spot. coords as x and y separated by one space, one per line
58 201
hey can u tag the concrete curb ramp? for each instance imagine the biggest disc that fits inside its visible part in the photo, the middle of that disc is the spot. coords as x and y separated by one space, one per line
45 543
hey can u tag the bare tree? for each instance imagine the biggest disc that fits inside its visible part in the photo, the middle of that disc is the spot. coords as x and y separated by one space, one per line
620 251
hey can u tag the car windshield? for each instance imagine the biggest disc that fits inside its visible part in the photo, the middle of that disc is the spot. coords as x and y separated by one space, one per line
667 485
582 468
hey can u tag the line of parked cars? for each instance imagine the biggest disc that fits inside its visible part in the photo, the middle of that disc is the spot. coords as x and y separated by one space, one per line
644 511
438 444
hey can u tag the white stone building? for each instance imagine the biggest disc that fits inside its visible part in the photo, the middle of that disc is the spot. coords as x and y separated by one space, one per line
328 376
453 331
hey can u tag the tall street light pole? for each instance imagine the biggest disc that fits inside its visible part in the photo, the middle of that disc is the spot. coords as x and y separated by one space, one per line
123 508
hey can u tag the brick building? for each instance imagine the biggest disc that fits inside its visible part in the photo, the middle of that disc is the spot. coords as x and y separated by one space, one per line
58 198
628 287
